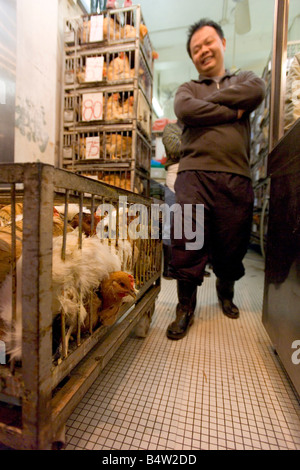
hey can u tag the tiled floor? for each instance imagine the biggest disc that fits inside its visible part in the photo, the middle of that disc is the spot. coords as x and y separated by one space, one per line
221 387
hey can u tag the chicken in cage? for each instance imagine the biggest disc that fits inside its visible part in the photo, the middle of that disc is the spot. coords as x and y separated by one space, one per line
88 281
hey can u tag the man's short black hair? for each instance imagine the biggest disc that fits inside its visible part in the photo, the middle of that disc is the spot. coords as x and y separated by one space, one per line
200 24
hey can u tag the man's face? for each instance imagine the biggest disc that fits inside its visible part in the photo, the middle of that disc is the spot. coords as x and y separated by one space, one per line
207 51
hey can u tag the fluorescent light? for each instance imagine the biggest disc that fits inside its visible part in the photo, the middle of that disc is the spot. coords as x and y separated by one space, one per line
157 108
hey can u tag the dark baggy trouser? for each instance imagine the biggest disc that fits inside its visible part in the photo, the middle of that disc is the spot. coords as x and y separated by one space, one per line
228 204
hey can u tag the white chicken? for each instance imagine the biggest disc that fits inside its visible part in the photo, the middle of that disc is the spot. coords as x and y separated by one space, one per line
73 278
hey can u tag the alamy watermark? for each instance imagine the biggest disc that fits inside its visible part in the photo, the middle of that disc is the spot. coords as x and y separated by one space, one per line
296 354
133 221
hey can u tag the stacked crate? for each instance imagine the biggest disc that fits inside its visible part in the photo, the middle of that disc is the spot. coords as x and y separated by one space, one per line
106 132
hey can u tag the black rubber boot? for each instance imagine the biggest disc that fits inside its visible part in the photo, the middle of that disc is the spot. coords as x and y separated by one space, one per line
187 293
167 257
225 292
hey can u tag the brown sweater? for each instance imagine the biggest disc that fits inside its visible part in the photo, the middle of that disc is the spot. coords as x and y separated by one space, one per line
213 138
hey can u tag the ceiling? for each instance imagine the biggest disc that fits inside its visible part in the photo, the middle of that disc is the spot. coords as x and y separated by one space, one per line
249 38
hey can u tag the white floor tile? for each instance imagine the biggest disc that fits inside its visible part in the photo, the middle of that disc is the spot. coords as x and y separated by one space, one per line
220 387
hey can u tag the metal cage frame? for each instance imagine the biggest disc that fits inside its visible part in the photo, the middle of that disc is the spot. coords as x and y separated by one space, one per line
41 398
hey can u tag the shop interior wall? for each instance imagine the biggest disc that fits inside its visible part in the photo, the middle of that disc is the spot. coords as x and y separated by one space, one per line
7 79
40 26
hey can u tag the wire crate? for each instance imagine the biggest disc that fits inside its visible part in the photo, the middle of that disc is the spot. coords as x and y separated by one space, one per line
124 178
115 27
45 297
88 67
107 106
107 98
90 147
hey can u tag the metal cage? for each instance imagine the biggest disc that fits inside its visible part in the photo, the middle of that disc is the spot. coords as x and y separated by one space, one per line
39 391
107 99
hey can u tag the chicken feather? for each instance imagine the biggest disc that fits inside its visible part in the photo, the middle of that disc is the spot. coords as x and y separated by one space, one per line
81 271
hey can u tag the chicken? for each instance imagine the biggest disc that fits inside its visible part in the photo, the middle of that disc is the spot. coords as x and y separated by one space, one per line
117 110
73 219
129 32
111 29
118 146
127 108
6 237
125 248
102 306
112 107
128 253
119 68
114 292
92 306
6 248
110 221
120 181
73 209
86 223
73 279
5 213
106 301
143 31
58 224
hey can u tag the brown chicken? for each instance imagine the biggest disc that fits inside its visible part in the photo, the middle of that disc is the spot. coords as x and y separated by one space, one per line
127 108
118 146
119 68
5 213
129 32
112 292
111 30
86 223
117 110
121 181
112 107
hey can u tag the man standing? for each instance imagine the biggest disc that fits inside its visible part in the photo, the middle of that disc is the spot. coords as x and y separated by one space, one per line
214 170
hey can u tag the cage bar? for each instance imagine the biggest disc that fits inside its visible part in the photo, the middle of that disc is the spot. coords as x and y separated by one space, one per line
47 381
